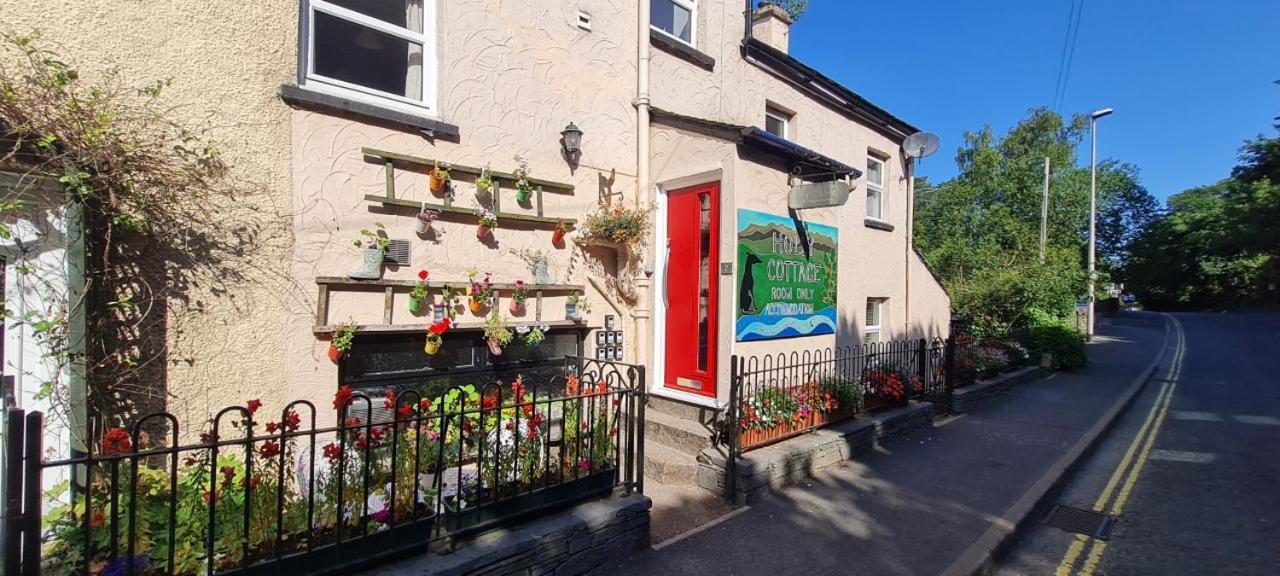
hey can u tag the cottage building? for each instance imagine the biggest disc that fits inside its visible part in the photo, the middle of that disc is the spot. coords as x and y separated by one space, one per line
691 112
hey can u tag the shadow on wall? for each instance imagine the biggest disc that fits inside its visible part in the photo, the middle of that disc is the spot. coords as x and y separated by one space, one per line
849 334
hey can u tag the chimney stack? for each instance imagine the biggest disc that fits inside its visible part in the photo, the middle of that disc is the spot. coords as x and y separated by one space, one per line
772 25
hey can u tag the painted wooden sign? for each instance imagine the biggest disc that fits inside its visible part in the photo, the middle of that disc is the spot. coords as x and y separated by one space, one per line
786 277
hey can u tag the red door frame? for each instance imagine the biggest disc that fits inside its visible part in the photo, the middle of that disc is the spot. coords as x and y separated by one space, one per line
687 370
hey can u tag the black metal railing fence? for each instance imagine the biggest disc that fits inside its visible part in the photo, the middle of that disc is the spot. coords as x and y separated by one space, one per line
280 494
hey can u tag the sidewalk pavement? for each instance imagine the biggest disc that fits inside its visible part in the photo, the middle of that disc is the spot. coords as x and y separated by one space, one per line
918 505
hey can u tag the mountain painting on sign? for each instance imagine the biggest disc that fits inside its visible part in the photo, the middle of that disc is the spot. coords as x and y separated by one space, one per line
786 277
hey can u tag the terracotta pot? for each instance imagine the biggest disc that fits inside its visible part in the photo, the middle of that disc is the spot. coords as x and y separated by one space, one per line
483 232
475 306
517 308
415 305
557 237
494 347
431 348
436 184
334 353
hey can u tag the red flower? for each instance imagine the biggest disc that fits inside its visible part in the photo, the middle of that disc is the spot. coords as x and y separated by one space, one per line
440 327
207 438
272 427
602 388
341 397
527 409
116 441
467 426
98 519
253 406
332 451
269 448
390 402
351 422
228 473
571 388
424 405
293 420
422 275
517 388
489 402
190 461
405 412
251 483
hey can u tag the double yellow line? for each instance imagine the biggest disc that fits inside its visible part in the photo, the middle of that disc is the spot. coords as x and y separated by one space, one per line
1126 473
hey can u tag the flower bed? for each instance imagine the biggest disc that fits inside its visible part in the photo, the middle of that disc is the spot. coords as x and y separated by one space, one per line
252 493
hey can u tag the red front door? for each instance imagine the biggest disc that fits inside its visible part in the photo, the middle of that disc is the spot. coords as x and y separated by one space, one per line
693 218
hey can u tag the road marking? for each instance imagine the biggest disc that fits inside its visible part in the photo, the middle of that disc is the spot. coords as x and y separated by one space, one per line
1195 416
1144 439
699 529
1258 420
1183 456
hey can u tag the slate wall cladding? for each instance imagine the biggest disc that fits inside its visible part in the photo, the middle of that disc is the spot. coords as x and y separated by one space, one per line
971 397
577 541
762 471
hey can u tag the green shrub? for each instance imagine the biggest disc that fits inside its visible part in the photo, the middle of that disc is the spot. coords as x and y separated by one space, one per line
1056 336
846 391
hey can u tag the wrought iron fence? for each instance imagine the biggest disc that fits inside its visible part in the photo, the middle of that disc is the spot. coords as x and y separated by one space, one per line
282 495
775 397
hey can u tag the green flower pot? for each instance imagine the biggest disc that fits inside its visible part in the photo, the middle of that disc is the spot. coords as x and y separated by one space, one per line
415 305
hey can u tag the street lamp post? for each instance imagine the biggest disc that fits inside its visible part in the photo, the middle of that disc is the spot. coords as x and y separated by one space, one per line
1093 211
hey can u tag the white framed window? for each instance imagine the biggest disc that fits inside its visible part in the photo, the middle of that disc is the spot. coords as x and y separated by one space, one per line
777 122
675 18
875 315
381 53
875 188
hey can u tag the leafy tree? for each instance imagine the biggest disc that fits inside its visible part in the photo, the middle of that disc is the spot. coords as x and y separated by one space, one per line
981 230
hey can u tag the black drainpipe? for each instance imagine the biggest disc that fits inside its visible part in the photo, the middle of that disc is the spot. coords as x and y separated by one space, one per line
747 21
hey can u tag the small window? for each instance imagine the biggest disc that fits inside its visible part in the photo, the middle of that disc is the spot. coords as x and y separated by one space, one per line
777 122
875 188
875 313
674 18
381 53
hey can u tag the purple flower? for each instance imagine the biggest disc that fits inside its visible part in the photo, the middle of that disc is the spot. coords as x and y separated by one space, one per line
120 566
382 516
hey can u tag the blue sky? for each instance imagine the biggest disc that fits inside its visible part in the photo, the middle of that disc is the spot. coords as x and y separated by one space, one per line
1190 80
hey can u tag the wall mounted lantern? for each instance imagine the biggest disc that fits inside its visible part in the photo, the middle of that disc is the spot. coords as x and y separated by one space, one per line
571 143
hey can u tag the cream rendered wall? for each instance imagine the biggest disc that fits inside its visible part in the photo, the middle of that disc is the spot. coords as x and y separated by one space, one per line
873 263
510 79
227 60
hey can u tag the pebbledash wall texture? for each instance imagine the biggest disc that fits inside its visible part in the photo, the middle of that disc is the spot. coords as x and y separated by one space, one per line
509 76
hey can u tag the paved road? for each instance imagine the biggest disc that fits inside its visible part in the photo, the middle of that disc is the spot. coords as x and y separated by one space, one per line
919 503
1192 470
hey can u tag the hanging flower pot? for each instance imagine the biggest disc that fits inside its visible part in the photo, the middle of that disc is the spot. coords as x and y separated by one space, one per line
516 308
484 232
571 311
334 353
437 312
415 306
439 176
522 195
422 223
494 347
475 306
432 347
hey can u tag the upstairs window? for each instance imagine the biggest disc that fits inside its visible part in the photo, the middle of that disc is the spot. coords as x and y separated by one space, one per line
875 188
777 122
674 18
379 52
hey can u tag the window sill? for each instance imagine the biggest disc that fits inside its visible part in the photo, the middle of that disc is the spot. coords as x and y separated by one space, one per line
297 95
878 224
681 50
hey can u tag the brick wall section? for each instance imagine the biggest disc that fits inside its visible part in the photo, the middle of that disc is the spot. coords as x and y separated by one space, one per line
761 471
971 397
577 541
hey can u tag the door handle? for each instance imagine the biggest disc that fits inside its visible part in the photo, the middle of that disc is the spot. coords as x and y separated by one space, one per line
666 278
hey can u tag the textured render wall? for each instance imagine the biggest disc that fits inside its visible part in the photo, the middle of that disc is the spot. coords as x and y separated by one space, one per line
227 60
511 79
873 262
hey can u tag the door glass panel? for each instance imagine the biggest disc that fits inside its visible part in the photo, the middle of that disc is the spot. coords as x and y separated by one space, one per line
704 276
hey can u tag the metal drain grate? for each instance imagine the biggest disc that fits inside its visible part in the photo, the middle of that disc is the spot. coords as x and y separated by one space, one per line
1076 520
